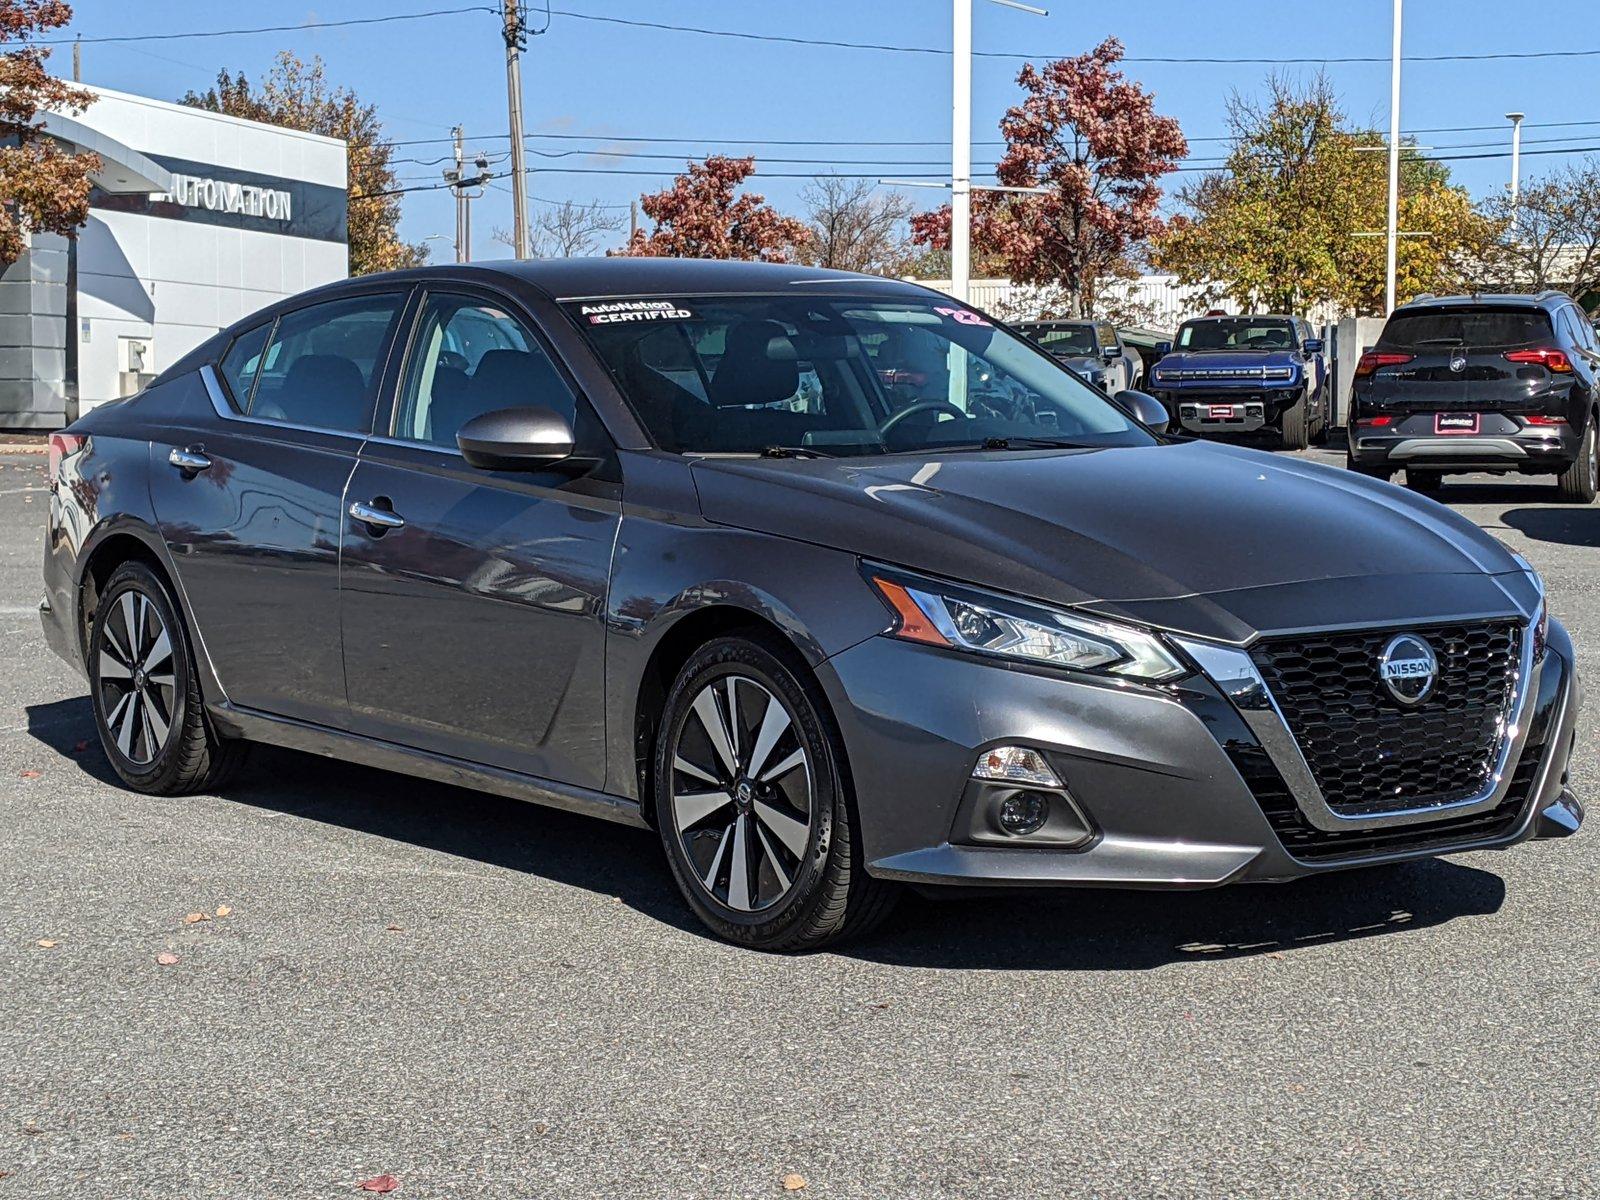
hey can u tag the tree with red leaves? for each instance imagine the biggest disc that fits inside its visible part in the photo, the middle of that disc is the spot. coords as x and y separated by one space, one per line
43 188
699 216
1093 138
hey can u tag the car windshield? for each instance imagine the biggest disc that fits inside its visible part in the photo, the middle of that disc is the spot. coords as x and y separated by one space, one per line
839 375
1483 327
1064 339
1236 333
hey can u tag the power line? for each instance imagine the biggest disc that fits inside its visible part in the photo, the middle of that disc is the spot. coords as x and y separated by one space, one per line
304 25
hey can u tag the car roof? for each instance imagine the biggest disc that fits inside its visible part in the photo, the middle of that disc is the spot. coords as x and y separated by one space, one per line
1242 317
589 278
1550 299
1057 322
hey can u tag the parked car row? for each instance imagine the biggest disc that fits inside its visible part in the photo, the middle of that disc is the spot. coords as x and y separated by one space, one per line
832 582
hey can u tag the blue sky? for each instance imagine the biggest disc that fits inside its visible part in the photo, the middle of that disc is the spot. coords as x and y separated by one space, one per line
607 82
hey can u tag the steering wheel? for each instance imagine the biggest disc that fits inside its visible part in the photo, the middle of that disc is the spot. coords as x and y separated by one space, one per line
920 406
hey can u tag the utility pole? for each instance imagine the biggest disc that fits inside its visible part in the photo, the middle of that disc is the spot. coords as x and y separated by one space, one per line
516 41
633 221
961 152
1516 154
1394 167
77 59
459 182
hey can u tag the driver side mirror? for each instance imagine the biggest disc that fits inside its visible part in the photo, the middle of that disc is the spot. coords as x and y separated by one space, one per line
516 439
1312 346
1162 348
1146 409
1110 353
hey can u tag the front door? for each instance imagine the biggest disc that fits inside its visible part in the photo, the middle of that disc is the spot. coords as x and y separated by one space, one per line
250 499
473 608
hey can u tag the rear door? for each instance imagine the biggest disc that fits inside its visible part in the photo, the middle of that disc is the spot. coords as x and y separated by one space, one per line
474 618
252 507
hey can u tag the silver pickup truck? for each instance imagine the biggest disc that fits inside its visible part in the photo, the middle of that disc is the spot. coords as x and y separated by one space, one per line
1092 349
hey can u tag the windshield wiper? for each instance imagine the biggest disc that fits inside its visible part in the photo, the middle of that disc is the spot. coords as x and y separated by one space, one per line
791 452
1031 443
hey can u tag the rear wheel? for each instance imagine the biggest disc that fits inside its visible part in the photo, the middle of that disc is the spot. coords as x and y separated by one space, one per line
145 691
1578 483
1424 481
752 803
1295 424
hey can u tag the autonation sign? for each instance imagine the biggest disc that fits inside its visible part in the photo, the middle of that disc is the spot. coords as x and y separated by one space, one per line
221 196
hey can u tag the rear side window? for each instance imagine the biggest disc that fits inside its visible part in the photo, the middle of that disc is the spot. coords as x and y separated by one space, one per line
241 362
322 365
1486 327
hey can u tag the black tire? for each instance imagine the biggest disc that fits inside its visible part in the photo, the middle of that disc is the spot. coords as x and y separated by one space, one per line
826 894
1426 482
161 742
1579 482
1370 471
1322 426
1295 424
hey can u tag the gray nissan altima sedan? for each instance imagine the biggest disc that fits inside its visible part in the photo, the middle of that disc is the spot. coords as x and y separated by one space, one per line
830 580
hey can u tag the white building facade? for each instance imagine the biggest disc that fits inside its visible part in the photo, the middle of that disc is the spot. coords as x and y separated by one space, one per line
196 220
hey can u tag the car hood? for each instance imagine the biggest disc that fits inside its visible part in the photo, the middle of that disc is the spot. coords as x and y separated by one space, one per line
1081 362
1212 540
1227 360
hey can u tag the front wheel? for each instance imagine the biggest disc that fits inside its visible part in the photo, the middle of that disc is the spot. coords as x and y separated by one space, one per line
146 693
1580 481
1296 424
751 801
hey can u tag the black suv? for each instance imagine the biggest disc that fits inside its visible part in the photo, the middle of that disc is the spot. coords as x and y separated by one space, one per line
1480 383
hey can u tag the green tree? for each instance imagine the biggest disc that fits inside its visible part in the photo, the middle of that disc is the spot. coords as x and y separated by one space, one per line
1290 220
297 95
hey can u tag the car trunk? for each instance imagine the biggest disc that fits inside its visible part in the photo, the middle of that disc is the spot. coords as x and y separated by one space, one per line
1457 359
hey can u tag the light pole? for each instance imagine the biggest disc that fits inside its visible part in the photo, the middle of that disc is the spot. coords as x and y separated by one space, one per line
1516 154
961 140
1394 167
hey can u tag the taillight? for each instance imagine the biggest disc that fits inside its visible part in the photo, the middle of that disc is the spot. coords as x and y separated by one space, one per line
1547 357
1373 359
1541 419
63 446
1375 422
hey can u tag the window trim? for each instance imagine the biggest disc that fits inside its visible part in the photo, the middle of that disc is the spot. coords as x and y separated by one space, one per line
243 410
530 326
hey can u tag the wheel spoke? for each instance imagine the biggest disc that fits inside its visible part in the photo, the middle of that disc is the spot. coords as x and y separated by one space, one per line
163 680
110 668
772 860
130 625
739 872
159 652
732 709
793 834
710 877
154 721
680 763
130 714
690 808
781 769
773 725
705 707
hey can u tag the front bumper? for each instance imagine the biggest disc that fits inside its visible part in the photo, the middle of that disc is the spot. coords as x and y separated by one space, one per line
1502 445
1169 806
1228 410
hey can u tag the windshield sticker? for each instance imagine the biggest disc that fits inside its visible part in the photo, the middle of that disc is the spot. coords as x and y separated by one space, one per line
962 316
613 312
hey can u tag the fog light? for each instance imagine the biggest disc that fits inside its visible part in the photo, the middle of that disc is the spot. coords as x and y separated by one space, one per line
1022 813
1015 764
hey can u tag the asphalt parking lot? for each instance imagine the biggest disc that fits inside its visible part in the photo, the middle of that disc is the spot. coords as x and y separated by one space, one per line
488 999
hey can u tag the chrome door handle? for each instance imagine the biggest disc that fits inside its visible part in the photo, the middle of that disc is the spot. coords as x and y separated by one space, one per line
378 518
188 461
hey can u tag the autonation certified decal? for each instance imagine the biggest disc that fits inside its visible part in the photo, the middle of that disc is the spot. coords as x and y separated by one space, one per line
616 311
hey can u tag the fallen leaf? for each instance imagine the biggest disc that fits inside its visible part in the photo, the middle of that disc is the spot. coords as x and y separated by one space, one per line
224 910
167 958
48 943
1275 954
394 929
794 1183
379 1183
31 774
541 1127
80 747
195 918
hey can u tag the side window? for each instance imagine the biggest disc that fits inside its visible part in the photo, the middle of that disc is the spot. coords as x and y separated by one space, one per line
240 364
322 364
469 357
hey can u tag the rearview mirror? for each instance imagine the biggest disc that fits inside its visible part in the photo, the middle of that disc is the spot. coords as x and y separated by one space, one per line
1312 345
1146 409
515 439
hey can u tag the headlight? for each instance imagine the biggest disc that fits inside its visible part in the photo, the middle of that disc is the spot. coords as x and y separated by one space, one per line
932 613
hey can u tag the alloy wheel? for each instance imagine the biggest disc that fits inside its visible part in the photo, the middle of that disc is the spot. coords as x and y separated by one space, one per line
742 793
135 671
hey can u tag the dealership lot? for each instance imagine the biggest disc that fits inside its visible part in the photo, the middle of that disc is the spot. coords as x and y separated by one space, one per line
484 998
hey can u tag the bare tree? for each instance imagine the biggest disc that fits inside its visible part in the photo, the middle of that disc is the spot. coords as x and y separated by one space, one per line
567 230
1550 238
854 227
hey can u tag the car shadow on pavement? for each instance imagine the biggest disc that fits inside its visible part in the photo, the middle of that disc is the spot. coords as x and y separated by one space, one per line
1574 526
1085 929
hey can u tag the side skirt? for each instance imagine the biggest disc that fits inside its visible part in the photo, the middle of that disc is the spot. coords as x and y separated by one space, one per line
255 726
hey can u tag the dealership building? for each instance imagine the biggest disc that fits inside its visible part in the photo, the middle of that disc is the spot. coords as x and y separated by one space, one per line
196 220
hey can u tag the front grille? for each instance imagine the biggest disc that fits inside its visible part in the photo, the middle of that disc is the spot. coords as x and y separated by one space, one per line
1369 753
